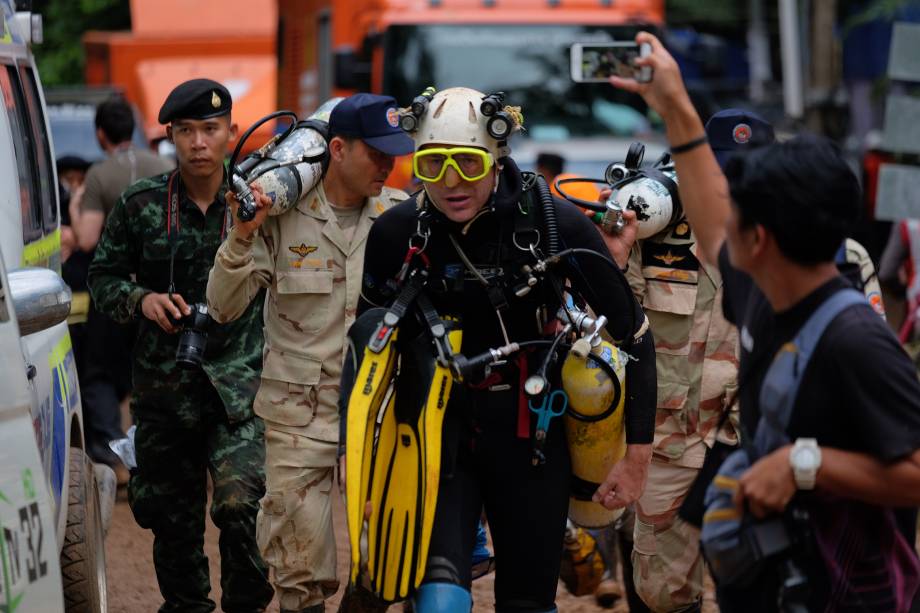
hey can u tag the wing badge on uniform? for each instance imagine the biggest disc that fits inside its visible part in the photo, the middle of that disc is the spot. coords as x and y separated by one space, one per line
669 258
302 249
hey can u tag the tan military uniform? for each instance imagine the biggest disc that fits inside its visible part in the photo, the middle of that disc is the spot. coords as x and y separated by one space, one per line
697 363
313 275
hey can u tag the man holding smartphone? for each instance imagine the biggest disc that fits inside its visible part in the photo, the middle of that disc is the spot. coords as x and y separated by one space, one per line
773 223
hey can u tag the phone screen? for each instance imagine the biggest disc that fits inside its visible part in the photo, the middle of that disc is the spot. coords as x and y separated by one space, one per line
601 61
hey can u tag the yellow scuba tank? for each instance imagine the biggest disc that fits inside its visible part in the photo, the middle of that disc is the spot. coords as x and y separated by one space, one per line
594 420
582 568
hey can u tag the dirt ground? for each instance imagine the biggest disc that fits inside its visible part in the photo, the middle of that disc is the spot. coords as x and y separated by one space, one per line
132 586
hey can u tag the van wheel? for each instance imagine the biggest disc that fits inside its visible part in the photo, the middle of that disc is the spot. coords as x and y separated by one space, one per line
83 554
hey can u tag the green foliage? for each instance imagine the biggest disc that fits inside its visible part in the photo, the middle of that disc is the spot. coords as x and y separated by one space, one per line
60 57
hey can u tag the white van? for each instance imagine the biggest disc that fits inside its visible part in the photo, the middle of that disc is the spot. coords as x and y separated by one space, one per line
51 522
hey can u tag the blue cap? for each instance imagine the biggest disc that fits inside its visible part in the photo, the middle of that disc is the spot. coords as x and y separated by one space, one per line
372 118
732 130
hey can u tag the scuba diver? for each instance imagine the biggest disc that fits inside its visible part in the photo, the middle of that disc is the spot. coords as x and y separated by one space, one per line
458 393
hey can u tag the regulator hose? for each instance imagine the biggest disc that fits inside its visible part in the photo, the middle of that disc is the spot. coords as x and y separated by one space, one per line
549 216
247 207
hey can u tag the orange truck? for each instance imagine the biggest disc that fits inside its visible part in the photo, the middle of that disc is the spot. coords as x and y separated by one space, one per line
521 47
230 41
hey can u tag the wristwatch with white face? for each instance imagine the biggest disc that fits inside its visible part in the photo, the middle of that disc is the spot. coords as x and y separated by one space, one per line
805 459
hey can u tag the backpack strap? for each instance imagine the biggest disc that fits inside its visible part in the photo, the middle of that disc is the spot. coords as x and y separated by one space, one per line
781 383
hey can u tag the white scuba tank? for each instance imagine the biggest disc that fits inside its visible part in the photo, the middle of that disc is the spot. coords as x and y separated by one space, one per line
650 199
288 168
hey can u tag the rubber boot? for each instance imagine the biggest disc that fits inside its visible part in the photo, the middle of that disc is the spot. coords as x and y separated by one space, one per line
442 598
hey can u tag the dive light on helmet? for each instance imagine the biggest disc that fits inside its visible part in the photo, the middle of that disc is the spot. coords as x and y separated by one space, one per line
408 122
499 125
419 105
492 103
410 117
286 167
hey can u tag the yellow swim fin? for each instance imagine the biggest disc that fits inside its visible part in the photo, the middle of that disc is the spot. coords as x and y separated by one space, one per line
406 476
370 388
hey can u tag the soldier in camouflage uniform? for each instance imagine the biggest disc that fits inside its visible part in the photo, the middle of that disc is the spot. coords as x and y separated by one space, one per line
310 259
165 230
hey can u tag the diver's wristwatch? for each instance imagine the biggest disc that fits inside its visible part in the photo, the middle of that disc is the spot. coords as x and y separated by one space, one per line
805 459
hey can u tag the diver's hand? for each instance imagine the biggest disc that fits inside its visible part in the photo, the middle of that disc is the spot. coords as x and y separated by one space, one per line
626 480
665 93
156 306
245 229
768 485
621 243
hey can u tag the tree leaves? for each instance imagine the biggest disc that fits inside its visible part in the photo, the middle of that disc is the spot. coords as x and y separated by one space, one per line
60 57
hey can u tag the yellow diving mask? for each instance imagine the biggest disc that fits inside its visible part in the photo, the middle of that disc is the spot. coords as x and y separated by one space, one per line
470 163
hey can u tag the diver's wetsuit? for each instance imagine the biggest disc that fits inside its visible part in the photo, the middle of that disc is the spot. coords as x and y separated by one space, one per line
485 462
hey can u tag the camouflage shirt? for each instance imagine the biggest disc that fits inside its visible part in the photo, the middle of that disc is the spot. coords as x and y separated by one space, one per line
696 348
133 260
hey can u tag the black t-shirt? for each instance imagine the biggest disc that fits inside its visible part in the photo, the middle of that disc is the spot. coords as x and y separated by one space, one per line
859 392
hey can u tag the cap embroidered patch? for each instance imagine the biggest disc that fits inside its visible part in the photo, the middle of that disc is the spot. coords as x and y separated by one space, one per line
393 117
215 100
741 133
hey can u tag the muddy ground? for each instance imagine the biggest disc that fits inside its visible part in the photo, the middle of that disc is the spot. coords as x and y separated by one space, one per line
132 586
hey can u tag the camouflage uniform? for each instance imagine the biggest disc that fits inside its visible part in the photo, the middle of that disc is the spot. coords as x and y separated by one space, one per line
697 362
188 421
313 275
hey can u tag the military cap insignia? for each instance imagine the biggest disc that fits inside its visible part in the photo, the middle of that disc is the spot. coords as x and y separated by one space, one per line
682 230
669 258
302 249
215 100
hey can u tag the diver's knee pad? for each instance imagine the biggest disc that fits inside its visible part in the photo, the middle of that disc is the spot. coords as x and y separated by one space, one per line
442 598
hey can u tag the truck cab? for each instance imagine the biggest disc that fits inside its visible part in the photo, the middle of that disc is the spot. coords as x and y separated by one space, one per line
51 516
520 47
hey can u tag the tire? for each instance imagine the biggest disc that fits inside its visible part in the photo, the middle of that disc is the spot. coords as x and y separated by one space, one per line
83 554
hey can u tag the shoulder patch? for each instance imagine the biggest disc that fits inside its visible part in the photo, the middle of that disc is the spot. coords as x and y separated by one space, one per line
395 196
147 184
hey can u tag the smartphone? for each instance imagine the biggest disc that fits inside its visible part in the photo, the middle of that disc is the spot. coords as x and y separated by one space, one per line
596 62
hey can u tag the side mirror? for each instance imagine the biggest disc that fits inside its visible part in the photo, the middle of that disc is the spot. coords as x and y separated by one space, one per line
351 71
40 298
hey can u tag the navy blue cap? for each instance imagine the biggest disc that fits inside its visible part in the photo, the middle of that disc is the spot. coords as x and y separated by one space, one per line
196 99
372 118
732 130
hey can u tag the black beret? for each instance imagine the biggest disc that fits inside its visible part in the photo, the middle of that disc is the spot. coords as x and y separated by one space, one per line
196 99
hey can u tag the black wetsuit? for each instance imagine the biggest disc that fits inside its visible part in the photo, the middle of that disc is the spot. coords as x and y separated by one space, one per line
486 462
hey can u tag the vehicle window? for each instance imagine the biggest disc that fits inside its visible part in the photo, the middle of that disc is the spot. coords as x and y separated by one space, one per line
42 151
29 198
530 63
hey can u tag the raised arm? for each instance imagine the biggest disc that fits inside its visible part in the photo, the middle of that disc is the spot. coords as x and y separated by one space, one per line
703 189
243 265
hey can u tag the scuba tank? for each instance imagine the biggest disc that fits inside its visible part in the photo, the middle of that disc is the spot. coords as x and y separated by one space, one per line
650 191
594 425
287 166
582 568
